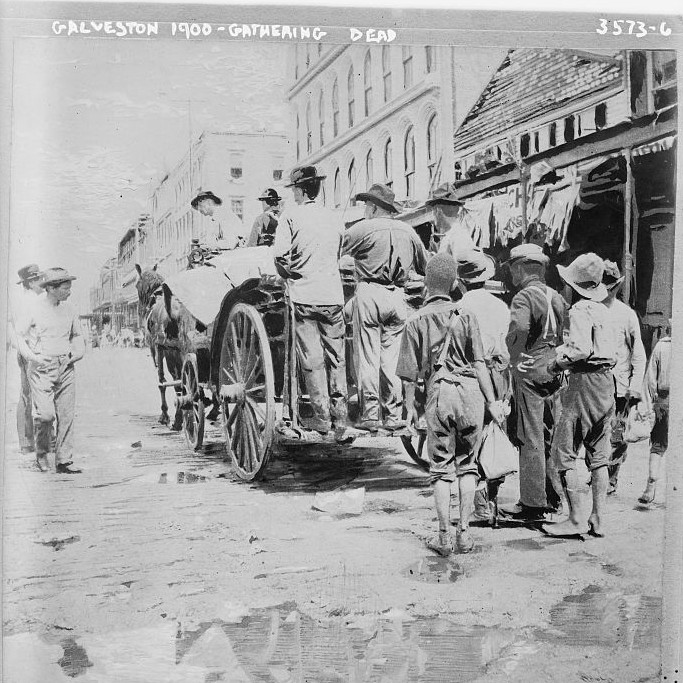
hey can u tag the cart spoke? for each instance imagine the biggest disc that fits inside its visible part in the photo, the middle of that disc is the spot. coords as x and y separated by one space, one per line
231 418
237 361
253 390
236 441
230 374
252 373
256 407
253 447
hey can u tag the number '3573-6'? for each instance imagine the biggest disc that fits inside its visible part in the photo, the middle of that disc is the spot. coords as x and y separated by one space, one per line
631 28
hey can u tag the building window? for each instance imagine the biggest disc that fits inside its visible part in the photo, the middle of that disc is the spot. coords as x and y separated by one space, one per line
552 136
335 109
524 143
432 143
237 206
409 162
388 163
369 171
235 172
351 175
537 142
337 189
578 125
367 83
600 116
352 96
309 134
430 58
321 119
407 66
277 174
386 72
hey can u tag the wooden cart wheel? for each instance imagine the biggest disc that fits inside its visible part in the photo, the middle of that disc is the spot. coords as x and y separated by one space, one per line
416 448
247 391
192 400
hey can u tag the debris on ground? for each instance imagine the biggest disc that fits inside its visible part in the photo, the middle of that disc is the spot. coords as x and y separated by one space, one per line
340 501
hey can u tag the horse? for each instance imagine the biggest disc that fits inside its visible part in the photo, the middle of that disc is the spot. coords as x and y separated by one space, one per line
162 336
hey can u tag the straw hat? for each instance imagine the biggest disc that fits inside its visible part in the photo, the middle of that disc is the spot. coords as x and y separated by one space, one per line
584 274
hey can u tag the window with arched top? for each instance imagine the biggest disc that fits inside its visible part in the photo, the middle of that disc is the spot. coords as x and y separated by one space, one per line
350 86
369 170
386 72
388 163
409 162
335 108
337 190
321 119
309 133
432 144
367 84
351 177
407 57
430 58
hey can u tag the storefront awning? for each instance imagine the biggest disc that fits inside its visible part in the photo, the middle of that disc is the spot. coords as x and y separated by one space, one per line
657 146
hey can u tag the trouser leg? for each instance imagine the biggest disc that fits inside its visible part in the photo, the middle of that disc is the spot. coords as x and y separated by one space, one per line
367 346
24 411
619 447
65 404
42 381
391 388
311 361
332 330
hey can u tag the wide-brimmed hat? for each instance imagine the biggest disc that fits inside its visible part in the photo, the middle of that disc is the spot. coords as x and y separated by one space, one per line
29 273
303 174
379 194
584 274
269 193
528 252
205 195
612 278
55 276
476 266
444 194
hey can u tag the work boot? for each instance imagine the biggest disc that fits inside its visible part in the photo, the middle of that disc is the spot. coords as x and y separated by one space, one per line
482 507
465 541
317 424
648 494
573 526
599 483
67 468
441 544
523 513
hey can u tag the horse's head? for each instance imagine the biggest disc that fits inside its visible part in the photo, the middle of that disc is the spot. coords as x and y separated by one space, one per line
148 282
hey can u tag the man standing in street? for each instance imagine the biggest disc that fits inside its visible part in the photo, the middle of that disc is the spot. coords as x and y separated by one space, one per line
629 370
263 230
307 249
386 251
589 355
227 231
31 290
49 338
456 239
536 321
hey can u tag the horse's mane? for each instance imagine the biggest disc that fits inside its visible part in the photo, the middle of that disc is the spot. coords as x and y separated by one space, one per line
149 282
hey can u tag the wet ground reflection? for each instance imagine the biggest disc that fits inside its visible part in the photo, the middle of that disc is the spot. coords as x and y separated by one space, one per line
434 570
279 645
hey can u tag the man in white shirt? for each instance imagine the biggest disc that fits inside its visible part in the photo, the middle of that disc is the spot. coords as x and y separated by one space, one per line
307 248
456 239
629 370
29 292
49 338
226 229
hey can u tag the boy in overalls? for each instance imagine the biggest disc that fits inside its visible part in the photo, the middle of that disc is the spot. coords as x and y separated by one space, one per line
444 348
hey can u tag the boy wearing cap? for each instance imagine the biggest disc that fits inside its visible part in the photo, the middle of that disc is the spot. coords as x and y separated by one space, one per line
386 252
589 355
629 370
31 290
263 229
537 315
227 230
50 339
444 348
307 248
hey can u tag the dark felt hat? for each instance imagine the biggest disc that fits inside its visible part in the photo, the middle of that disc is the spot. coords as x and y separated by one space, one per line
205 195
444 194
612 277
379 194
584 274
55 276
28 273
303 174
268 194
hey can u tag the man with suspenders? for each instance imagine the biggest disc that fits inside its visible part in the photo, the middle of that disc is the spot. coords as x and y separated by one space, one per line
537 316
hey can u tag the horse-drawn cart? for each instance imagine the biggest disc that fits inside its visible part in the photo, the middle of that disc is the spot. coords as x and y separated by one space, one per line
235 326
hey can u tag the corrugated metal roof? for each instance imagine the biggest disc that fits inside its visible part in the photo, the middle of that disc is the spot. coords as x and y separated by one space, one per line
534 82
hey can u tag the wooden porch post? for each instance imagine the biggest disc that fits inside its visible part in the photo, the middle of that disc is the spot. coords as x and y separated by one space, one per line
628 258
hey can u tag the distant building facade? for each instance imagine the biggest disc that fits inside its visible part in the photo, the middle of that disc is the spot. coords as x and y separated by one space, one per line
236 167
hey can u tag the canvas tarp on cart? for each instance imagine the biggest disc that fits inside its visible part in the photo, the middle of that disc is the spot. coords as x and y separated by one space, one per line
201 290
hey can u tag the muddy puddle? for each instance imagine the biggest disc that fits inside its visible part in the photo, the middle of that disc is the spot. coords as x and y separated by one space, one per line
74 661
181 478
282 644
597 616
434 570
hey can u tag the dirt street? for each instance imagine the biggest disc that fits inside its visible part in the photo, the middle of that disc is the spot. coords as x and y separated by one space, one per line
156 564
